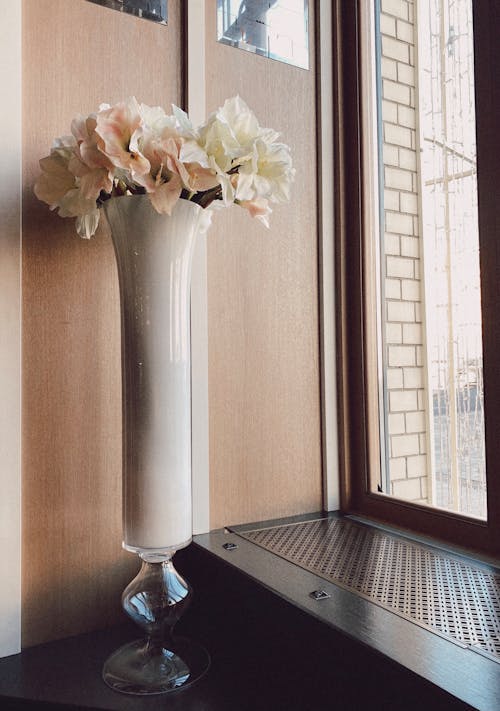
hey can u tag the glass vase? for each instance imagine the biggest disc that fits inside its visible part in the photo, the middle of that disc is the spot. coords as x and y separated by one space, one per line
154 255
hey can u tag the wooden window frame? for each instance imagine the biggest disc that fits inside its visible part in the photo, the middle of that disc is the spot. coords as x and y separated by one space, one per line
358 445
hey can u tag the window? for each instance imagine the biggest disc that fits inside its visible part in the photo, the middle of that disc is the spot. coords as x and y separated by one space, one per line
428 282
416 264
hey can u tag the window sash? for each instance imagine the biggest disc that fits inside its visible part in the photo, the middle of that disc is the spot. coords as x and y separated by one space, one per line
360 452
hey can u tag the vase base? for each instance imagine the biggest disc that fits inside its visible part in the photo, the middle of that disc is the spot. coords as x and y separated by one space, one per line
138 669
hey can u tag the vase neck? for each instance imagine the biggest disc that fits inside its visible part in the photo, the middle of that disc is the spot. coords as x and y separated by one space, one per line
156 556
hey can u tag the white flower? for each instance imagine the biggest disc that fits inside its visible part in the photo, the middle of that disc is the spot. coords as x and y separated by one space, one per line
86 225
192 152
154 117
229 134
70 194
75 204
56 178
268 173
183 123
237 145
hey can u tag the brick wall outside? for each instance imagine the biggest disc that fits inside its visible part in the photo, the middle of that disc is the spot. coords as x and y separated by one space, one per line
406 397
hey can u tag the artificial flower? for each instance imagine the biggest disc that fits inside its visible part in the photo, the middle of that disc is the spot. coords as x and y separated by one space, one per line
86 225
229 133
116 126
267 173
133 148
258 207
166 194
56 179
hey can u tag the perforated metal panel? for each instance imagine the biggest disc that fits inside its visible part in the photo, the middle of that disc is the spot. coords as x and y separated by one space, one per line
440 592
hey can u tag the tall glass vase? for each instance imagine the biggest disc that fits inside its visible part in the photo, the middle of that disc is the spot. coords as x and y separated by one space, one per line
154 254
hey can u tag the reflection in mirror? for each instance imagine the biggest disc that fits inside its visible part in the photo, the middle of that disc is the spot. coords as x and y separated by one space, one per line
155 10
277 29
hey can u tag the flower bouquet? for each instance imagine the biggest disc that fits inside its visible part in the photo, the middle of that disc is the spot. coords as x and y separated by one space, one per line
131 148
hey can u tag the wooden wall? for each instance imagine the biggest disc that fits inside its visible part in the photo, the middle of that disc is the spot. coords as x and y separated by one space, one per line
76 56
264 383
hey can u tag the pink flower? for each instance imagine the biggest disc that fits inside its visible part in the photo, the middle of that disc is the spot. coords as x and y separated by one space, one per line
199 178
258 207
166 152
164 148
161 151
166 194
192 175
91 145
89 162
116 127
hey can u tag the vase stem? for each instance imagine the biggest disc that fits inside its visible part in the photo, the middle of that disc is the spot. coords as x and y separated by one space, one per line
155 600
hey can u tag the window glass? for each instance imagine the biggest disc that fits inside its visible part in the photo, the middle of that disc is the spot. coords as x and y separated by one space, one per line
430 346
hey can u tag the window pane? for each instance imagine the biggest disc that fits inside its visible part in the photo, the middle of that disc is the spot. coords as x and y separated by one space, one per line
432 420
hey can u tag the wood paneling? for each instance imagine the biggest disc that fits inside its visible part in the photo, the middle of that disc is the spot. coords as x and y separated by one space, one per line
264 381
76 55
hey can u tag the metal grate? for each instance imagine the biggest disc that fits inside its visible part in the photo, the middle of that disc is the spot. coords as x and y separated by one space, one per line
437 591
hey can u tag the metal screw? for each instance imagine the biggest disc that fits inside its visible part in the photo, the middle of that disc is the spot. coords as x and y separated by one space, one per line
319 594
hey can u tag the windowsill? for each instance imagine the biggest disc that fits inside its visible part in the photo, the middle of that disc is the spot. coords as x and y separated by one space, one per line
465 675
272 647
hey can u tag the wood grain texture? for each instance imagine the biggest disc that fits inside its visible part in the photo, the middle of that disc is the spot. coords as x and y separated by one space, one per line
264 380
76 55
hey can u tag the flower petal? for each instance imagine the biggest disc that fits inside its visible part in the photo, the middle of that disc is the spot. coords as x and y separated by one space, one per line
116 126
200 178
75 204
55 180
166 195
258 208
86 225
93 182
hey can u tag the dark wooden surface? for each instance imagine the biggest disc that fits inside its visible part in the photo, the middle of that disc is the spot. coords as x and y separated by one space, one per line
267 654
384 649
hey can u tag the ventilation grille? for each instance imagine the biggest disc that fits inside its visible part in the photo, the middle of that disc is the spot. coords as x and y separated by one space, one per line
439 592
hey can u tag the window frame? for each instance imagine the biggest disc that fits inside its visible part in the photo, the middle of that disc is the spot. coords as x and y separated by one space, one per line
359 446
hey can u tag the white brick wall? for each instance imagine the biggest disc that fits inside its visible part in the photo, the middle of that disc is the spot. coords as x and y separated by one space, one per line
403 401
394 377
396 8
390 111
403 445
401 356
395 49
398 179
394 91
404 375
400 267
401 311
413 378
393 288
